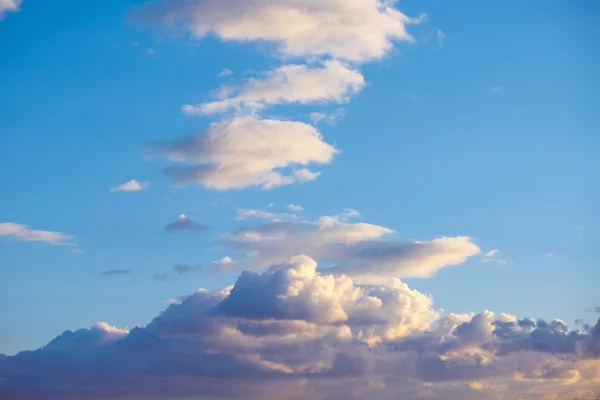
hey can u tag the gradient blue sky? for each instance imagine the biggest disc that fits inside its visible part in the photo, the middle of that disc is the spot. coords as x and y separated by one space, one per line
490 130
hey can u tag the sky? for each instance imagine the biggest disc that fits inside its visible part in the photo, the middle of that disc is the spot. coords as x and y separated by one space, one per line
366 198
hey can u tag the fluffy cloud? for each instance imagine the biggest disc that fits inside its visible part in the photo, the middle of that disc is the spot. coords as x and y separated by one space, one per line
7 6
356 249
242 152
302 333
184 223
358 30
333 82
130 186
25 234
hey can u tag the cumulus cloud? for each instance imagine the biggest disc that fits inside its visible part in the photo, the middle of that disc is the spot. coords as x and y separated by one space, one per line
184 223
353 248
23 233
7 6
246 151
358 30
130 186
303 333
331 82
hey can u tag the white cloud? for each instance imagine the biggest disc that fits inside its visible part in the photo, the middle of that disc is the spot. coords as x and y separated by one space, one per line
356 249
496 89
243 152
130 186
332 82
23 233
7 6
494 256
245 213
441 36
294 207
330 118
358 30
224 72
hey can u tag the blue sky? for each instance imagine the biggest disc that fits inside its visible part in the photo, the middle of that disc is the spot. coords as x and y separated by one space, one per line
485 126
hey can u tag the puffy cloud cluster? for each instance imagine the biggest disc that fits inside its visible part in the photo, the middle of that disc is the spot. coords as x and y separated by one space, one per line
302 333
246 151
357 249
331 37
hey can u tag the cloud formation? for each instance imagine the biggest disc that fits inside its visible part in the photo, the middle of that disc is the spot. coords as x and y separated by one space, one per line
302 333
116 272
184 223
358 30
130 186
23 233
353 248
331 82
246 151
7 6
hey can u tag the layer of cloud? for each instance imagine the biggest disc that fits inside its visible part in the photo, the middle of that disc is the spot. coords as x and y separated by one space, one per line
302 333
23 233
7 6
184 223
353 248
331 82
358 30
246 151
130 186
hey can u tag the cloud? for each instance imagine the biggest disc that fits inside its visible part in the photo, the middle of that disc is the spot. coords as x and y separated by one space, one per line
331 82
299 332
496 89
245 213
330 118
294 207
246 151
360 30
115 272
356 249
494 256
23 233
7 6
130 186
441 36
184 223
224 72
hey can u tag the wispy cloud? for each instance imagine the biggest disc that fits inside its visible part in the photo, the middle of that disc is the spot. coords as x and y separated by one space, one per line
494 256
441 37
496 89
130 186
25 234
115 272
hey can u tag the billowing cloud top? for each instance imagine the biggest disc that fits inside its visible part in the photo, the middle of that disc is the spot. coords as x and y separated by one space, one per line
302 333
357 30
